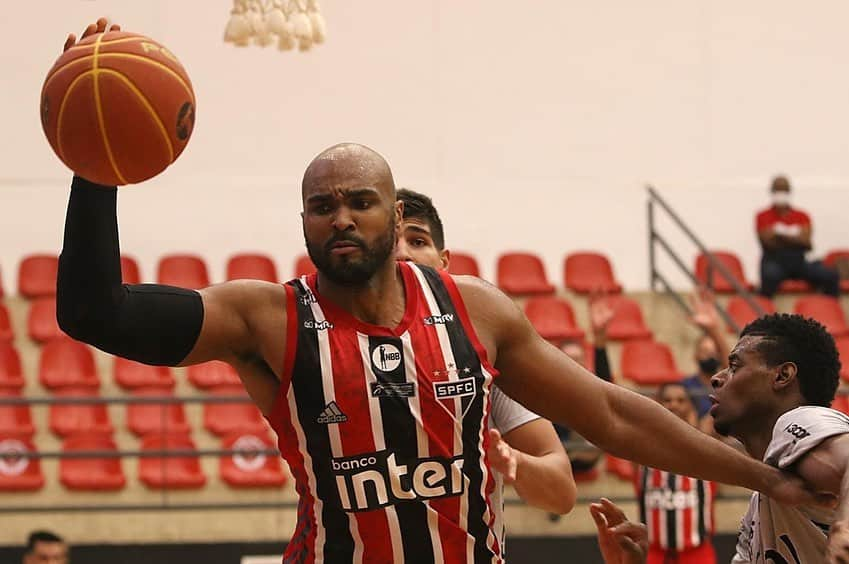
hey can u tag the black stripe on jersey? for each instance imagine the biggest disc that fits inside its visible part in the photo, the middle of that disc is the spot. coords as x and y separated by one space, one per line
701 488
468 365
309 399
671 516
822 527
399 433
641 501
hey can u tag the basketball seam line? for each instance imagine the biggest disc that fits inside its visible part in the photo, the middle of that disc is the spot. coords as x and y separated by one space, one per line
153 62
147 105
99 110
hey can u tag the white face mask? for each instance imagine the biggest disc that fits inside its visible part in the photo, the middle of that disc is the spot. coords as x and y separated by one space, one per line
781 198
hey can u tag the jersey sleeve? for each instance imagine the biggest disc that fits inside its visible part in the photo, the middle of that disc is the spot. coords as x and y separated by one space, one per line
508 414
800 430
743 549
762 220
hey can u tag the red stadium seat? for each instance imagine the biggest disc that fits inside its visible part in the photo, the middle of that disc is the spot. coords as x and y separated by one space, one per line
41 320
648 363
740 311
7 333
226 418
522 273
831 260
76 418
303 266
621 468
67 363
251 470
843 349
717 282
553 318
148 418
627 322
841 404
15 420
37 276
826 310
18 472
91 474
252 267
212 374
589 272
11 375
183 472
132 375
2 293
463 264
130 273
185 271
795 287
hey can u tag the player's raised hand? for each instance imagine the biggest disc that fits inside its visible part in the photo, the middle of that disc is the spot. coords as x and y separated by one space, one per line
98 27
502 457
837 550
620 540
705 315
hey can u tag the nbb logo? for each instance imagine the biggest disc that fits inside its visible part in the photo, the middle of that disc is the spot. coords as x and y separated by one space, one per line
377 479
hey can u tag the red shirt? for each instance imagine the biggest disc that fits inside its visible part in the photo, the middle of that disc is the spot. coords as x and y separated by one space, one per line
770 216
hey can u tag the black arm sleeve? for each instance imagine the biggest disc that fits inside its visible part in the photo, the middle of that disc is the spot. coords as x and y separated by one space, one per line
149 323
602 366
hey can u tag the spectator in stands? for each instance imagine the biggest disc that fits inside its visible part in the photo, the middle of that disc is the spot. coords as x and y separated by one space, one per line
711 352
677 503
785 236
586 456
44 547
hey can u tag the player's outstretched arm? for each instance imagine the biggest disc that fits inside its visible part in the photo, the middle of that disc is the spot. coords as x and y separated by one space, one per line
615 419
150 323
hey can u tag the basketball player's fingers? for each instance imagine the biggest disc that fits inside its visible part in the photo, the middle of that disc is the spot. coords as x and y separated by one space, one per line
101 24
115 27
494 436
598 516
89 30
614 513
70 41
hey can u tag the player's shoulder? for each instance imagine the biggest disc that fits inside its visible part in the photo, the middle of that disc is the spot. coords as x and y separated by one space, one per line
486 304
801 430
813 416
765 213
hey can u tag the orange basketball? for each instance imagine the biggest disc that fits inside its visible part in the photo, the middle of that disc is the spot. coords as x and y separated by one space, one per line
117 108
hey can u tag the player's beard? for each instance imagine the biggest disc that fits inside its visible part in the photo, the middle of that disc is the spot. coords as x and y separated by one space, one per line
348 271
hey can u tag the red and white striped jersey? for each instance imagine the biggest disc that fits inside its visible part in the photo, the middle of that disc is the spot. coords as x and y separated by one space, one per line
677 510
384 429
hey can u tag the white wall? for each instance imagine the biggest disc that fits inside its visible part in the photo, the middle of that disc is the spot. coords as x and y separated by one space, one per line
533 125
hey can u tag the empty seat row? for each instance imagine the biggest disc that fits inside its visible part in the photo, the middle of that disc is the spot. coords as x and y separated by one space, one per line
144 418
19 472
554 319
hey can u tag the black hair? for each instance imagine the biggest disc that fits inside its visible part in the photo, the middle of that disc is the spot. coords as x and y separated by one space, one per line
666 385
419 206
804 342
41 536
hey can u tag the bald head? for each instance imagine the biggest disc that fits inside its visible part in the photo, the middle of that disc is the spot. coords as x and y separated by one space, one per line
348 166
780 184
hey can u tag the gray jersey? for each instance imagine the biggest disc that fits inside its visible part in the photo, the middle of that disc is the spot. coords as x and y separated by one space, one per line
505 416
773 533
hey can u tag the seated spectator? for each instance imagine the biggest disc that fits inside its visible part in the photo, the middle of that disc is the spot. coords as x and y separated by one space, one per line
785 236
711 354
585 456
44 547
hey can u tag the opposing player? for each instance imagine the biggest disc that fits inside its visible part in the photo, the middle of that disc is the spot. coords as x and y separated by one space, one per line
774 397
375 374
524 448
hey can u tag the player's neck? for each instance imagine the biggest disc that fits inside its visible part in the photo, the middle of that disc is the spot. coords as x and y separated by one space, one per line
756 438
380 301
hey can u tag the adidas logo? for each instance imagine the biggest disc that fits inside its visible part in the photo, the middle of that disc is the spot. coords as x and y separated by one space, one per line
331 414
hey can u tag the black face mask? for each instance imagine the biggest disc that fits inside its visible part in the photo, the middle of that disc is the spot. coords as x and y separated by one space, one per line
709 365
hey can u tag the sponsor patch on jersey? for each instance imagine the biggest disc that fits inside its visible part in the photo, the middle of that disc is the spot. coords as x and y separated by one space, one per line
386 357
331 414
797 431
439 319
393 390
446 392
318 325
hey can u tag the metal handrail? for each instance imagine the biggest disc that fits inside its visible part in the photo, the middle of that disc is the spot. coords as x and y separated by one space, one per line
656 239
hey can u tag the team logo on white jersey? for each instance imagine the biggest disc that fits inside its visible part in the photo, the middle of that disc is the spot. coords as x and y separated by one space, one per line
331 414
386 357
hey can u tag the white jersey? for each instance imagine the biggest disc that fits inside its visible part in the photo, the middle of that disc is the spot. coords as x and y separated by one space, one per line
772 533
505 416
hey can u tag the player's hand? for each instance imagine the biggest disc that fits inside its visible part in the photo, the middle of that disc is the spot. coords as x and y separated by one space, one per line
837 550
620 540
502 457
705 316
97 27
600 311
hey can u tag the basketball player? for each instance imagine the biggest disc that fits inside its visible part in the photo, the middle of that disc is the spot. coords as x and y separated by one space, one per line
530 455
375 374
678 510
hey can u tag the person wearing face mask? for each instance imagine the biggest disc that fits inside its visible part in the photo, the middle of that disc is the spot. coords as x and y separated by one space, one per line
785 236
711 351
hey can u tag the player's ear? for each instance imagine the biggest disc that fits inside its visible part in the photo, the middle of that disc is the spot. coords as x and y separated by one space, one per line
399 214
445 257
785 375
